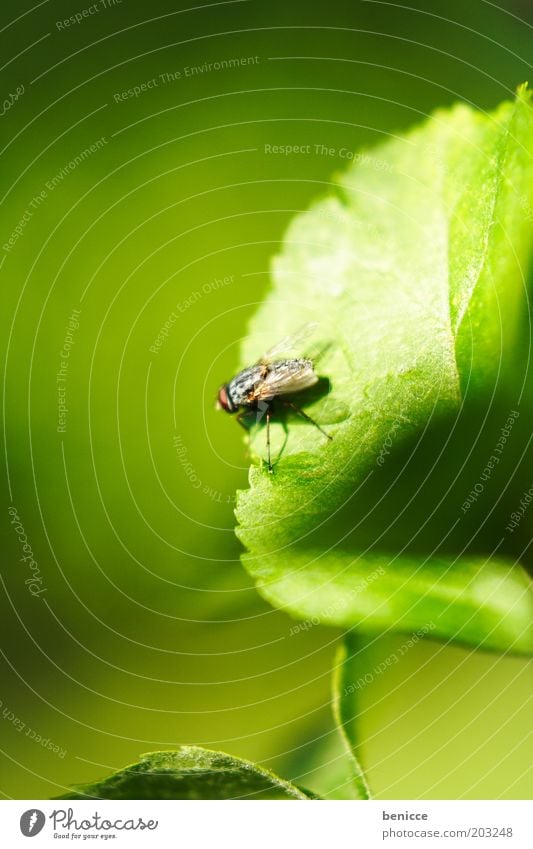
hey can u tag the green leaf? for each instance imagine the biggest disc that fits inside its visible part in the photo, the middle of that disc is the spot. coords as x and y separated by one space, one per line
190 773
345 717
473 601
415 271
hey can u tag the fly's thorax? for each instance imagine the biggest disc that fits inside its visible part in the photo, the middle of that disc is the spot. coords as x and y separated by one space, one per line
243 384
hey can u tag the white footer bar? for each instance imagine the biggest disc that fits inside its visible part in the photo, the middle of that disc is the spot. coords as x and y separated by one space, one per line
264 824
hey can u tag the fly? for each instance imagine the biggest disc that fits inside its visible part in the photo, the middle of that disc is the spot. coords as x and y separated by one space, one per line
256 388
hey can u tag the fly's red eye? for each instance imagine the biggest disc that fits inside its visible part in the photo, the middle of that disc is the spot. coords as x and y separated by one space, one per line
223 400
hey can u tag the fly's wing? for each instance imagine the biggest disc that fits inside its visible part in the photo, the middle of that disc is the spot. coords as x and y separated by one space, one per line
295 344
286 377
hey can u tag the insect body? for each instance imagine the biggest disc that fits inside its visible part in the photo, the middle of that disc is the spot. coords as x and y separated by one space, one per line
255 389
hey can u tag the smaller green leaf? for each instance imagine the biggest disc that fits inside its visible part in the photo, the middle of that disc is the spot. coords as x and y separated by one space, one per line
346 724
190 772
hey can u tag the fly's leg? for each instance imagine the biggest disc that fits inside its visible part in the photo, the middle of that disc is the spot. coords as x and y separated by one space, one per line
285 437
307 418
267 415
271 411
264 408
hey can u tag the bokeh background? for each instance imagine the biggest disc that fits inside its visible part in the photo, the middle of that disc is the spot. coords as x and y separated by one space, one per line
170 201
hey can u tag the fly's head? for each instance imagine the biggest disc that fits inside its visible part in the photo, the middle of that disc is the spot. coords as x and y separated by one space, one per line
224 401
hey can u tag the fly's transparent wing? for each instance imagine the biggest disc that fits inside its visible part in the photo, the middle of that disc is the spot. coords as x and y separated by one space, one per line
286 377
296 344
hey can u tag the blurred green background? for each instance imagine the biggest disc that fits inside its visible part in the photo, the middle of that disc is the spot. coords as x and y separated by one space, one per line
150 634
